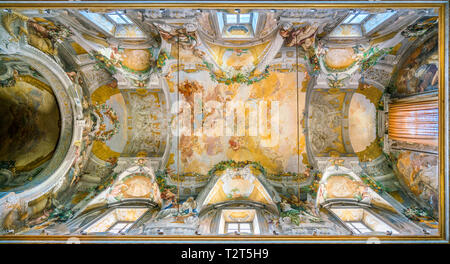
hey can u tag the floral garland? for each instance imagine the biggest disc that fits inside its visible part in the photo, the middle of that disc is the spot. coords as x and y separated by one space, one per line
106 135
161 179
336 83
61 214
104 63
372 56
314 186
231 75
376 186
313 62
231 164
161 175
162 58
415 213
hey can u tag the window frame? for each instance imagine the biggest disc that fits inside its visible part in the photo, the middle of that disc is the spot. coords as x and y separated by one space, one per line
362 23
366 210
121 14
238 19
124 229
226 231
351 225
109 211
115 24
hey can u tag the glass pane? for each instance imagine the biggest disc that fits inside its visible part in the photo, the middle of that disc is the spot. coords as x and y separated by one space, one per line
99 20
245 228
127 227
376 20
348 30
118 227
361 227
233 226
245 225
231 19
117 19
124 17
348 19
244 18
254 21
359 18
355 230
220 20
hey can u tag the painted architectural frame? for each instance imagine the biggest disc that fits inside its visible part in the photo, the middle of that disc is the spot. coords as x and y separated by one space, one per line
366 157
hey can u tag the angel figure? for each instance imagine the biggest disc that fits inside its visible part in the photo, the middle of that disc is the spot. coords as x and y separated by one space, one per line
189 207
302 36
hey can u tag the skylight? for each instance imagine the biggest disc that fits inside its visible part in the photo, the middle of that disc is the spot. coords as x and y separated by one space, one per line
232 19
237 25
355 18
376 20
244 18
99 20
357 24
220 19
119 17
116 23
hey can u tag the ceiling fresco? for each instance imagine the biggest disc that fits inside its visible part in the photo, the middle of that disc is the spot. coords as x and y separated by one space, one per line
188 122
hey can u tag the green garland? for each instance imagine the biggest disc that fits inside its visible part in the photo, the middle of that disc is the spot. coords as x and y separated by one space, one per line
238 78
375 185
162 175
161 179
415 213
231 164
162 58
293 214
372 56
103 62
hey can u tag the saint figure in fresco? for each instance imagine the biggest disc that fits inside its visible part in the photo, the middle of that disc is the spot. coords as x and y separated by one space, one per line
428 77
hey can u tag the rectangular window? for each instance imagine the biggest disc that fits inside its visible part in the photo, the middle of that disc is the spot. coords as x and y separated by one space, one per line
244 18
231 19
120 227
245 227
358 19
376 20
358 227
119 18
99 20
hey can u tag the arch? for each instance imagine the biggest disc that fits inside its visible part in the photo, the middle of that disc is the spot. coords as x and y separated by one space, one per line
69 103
238 186
342 184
